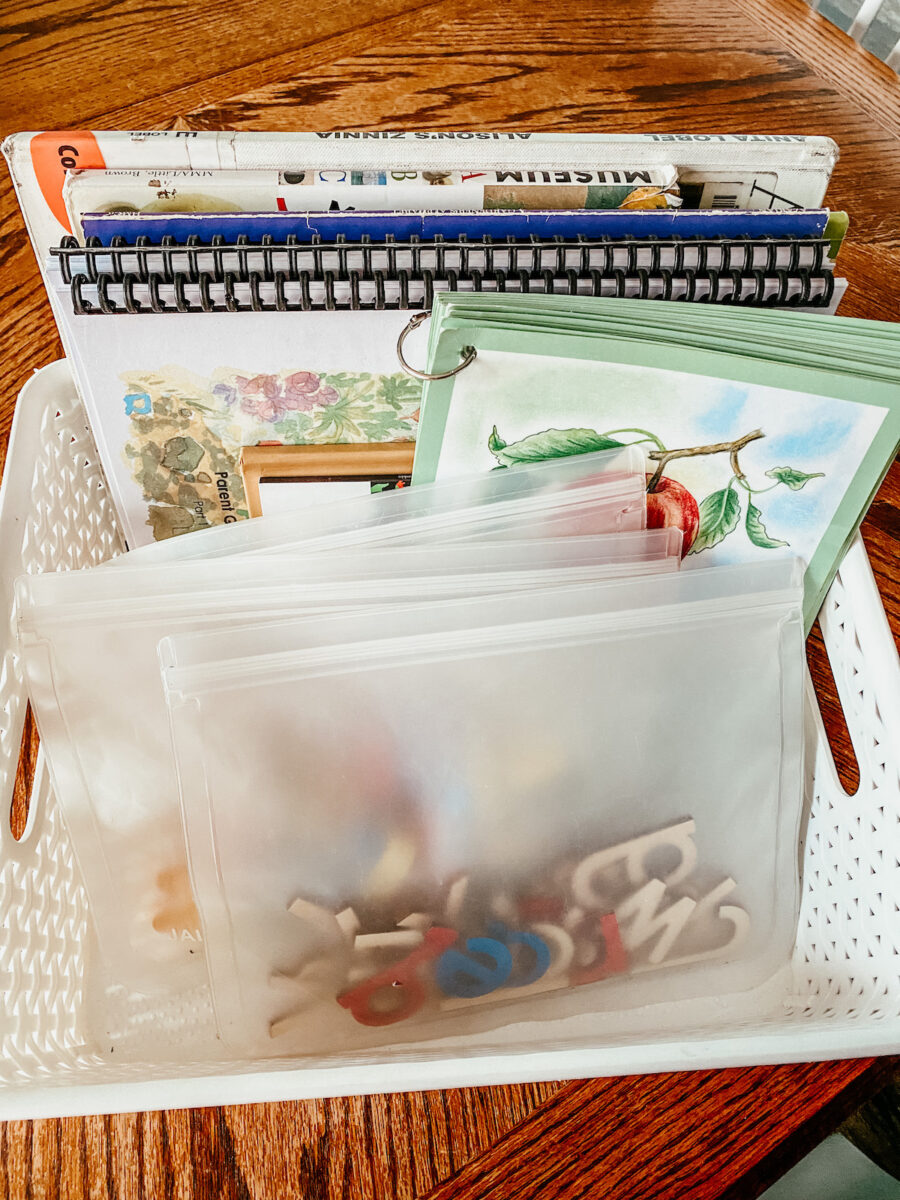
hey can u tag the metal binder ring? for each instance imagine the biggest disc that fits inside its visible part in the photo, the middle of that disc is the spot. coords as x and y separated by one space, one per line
414 323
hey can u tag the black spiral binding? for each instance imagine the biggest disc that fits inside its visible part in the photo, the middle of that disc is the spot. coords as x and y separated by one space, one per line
323 265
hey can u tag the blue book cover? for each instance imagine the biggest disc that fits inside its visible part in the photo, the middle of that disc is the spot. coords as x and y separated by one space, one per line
612 223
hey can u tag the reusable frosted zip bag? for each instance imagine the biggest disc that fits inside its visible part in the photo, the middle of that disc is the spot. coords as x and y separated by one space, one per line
89 646
584 819
523 599
585 494
454 567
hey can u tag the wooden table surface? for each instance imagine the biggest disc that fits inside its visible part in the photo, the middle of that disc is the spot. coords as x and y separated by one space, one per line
754 66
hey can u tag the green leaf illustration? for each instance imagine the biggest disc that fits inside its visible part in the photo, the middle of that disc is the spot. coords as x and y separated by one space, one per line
338 422
294 428
400 391
384 426
345 379
756 531
550 443
794 479
719 515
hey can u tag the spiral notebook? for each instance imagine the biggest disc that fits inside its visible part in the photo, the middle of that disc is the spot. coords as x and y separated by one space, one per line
185 353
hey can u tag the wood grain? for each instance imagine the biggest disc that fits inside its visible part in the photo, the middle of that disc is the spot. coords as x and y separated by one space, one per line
767 66
583 1142
388 1146
104 46
832 55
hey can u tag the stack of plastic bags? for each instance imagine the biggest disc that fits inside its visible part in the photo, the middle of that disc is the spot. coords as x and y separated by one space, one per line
433 761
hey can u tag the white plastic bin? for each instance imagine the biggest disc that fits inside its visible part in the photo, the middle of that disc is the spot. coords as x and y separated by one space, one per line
55 513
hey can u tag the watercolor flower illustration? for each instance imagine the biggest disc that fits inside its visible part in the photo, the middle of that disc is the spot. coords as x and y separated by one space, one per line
187 430
271 397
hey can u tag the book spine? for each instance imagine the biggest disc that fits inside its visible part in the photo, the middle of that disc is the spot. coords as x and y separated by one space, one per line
615 223
134 191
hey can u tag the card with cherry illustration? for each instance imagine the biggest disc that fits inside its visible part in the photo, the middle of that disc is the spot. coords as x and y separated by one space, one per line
760 434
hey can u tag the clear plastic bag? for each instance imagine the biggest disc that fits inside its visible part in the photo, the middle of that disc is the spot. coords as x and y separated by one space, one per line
525 808
89 646
582 495
449 568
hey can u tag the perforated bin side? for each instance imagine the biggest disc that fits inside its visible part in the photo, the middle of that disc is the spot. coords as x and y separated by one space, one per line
847 962
55 513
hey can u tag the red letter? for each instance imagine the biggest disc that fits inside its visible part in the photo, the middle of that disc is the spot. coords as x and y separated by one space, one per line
403 981
610 959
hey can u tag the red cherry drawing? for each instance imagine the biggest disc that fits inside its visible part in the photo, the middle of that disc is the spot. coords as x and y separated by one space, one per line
671 505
